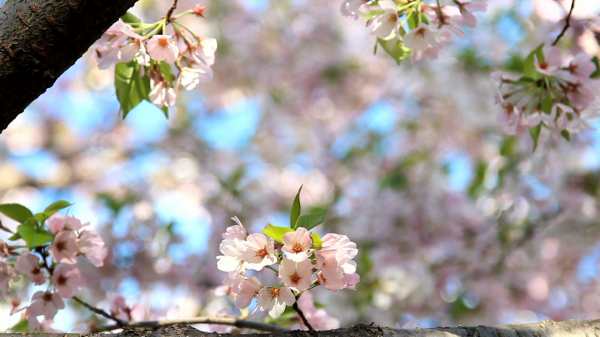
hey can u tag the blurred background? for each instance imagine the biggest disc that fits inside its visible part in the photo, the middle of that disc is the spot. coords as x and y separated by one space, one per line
456 222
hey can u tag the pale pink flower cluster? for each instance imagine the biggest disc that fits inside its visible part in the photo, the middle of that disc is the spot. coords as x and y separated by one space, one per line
433 27
189 53
71 240
297 262
567 81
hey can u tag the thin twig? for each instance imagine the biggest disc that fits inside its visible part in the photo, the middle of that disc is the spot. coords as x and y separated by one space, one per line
567 24
171 10
302 317
196 320
100 312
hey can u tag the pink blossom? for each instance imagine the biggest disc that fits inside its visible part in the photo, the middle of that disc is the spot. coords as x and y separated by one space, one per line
45 303
296 275
466 10
353 8
64 248
92 246
423 43
552 61
190 78
580 95
58 223
162 48
332 274
259 251
319 319
246 290
581 67
161 94
29 265
66 279
342 248
205 52
296 244
237 231
275 300
232 258
120 309
386 24
119 43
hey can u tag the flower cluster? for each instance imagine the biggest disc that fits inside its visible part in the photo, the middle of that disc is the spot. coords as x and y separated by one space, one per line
413 27
54 263
150 53
301 260
550 91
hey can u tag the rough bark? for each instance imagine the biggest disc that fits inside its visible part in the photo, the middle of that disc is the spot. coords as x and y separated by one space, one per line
541 329
40 39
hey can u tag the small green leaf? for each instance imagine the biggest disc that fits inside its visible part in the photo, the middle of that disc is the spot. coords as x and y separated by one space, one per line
21 326
529 69
535 135
130 85
566 135
395 48
546 104
55 207
16 212
275 232
296 209
33 235
476 185
312 219
316 240
15 237
596 72
130 18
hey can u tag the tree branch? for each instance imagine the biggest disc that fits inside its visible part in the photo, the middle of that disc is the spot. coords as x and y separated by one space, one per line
567 24
99 311
40 39
242 324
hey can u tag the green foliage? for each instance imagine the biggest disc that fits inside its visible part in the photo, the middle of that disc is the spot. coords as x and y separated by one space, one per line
395 48
535 135
275 232
131 86
312 219
396 178
115 203
476 185
130 18
16 212
296 209
21 326
33 234
472 61
317 243
596 73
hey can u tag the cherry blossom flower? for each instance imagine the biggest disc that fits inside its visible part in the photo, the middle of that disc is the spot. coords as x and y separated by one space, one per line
551 63
205 52
64 248
275 300
296 275
232 258
352 8
58 223
45 303
199 10
162 48
342 248
29 265
466 10
120 309
67 279
161 94
190 78
386 24
319 319
259 251
237 231
332 275
247 288
581 67
92 246
118 44
296 244
422 42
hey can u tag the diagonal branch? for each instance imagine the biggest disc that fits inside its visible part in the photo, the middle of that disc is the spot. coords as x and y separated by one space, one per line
40 39
567 24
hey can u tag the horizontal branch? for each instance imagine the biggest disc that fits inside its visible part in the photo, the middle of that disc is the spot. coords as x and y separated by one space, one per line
542 329
40 39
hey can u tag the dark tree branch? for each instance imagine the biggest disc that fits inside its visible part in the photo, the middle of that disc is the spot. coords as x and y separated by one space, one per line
40 39
567 24
99 311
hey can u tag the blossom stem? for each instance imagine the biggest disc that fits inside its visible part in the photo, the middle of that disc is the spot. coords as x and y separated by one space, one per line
198 320
567 24
99 311
171 10
302 316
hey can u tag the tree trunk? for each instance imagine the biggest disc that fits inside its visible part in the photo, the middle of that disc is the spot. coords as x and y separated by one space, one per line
541 329
40 39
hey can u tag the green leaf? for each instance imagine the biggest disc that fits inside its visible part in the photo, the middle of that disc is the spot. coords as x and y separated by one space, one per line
476 185
296 209
566 135
15 237
413 19
529 65
55 207
130 85
16 212
316 240
546 104
535 135
21 326
315 217
33 235
130 18
275 232
596 62
395 48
